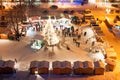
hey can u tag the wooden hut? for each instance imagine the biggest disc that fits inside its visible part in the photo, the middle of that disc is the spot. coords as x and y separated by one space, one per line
43 67
99 67
111 53
88 67
34 66
9 67
78 67
3 36
1 66
56 65
111 63
66 67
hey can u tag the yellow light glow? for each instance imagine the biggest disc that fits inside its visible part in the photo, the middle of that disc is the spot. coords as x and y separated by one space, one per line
108 10
36 72
92 1
17 65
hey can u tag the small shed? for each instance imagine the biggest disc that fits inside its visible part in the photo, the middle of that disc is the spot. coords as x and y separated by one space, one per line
9 67
3 36
34 66
88 67
111 63
56 65
111 53
99 67
78 67
66 67
43 67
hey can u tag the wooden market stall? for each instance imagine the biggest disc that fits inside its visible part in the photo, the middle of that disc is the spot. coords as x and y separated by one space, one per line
111 63
3 36
78 67
9 67
34 66
66 67
111 53
56 65
99 67
43 67
88 67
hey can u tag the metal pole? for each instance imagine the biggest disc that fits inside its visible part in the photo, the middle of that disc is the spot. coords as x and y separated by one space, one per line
52 48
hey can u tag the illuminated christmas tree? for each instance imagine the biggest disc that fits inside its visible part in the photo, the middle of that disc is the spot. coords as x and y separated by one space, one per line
49 33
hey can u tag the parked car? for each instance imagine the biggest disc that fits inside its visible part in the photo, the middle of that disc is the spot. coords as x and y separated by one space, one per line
81 11
72 11
54 7
45 11
66 11
87 11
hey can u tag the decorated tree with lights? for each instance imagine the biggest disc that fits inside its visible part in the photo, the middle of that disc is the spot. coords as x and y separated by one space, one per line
49 33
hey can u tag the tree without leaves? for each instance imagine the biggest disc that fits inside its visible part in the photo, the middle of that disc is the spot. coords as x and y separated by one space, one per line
16 15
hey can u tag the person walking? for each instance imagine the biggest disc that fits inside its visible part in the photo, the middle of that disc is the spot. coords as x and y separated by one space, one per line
15 60
67 47
85 33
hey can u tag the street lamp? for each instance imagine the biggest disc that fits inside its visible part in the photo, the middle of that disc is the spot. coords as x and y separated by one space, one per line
108 10
36 72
